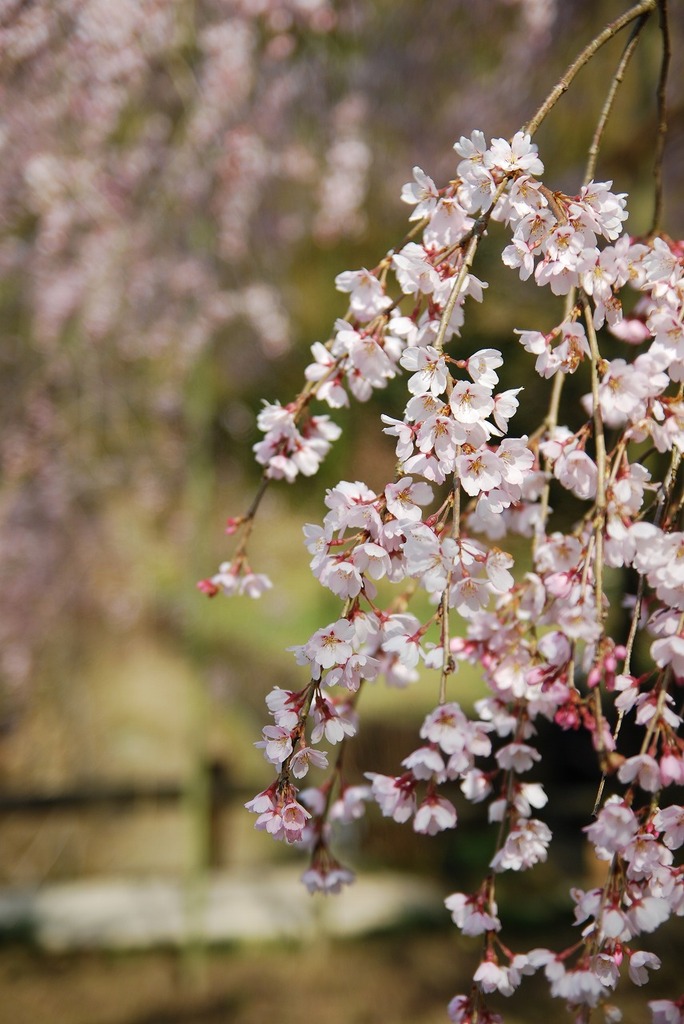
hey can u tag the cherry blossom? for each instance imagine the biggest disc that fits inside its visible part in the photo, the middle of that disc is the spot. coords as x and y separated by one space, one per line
305 758
547 629
325 873
434 815
643 770
519 757
666 1011
367 298
670 821
395 797
470 915
331 645
421 193
277 743
525 846
614 828
470 403
405 497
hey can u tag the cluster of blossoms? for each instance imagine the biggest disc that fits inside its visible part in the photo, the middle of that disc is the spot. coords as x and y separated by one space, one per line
287 451
540 637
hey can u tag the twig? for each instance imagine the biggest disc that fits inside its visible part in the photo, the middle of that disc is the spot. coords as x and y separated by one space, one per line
600 453
445 640
629 49
662 119
644 8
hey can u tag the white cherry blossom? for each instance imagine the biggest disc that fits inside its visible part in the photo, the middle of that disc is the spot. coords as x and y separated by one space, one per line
415 273
470 402
435 814
366 295
395 797
405 497
540 635
421 193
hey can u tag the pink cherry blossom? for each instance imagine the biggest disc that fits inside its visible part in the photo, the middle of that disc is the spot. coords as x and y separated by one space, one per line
448 727
479 471
525 846
421 193
327 878
277 743
666 1011
294 818
395 796
670 821
415 273
405 497
670 651
434 815
425 763
332 721
491 977
470 403
425 582
518 757
305 758
519 155
470 915
367 297
643 770
351 804
342 577
402 638
331 645
638 964
482 366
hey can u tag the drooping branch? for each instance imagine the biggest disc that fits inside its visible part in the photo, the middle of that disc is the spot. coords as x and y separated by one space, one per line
662 118
627 54
611 30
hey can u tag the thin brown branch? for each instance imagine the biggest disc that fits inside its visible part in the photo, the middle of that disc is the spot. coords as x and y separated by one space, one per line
448 666
601 460
627 53
662 118
611 30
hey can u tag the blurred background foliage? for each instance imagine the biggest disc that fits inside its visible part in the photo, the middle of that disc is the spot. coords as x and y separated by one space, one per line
180 182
